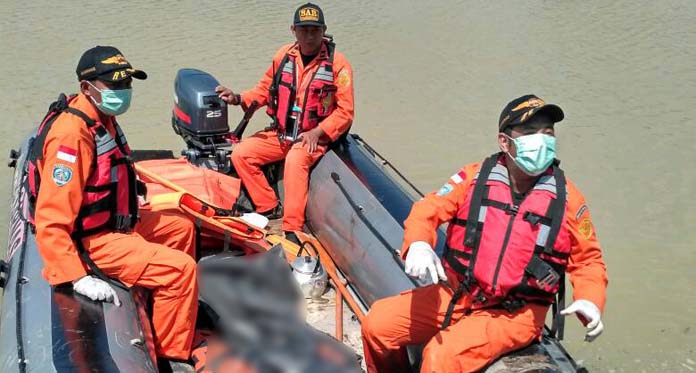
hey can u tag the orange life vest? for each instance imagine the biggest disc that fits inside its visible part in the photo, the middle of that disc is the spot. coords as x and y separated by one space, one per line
319 97
502 251
110 197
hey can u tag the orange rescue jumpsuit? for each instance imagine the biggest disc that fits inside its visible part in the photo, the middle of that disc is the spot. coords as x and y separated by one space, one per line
264 147
143 257
475 337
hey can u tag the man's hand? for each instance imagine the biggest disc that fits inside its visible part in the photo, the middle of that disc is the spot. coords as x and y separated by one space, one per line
589 313
227 95
96 289
421 259
312 138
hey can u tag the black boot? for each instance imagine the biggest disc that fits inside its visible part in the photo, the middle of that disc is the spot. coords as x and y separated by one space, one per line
274 213
174 366
292 237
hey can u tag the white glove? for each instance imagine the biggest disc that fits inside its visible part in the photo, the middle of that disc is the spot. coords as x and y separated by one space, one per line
590 312
421 259
96 289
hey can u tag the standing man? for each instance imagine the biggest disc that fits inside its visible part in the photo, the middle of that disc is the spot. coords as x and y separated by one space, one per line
309 93
85 206
516 225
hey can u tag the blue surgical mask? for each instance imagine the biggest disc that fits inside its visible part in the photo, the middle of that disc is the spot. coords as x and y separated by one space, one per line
113 101
535 152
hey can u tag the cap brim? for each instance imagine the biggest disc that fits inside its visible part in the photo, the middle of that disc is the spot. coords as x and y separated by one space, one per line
129 73
309 23
553 111
139 74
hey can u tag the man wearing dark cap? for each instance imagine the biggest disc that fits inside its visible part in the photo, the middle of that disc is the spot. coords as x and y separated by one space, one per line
308 90
516 225
89 227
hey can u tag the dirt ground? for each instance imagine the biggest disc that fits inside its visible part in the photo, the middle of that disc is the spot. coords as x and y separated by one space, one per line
321 315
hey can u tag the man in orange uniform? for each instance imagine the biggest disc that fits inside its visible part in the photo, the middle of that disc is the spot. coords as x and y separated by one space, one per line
516 224
86 208
309 92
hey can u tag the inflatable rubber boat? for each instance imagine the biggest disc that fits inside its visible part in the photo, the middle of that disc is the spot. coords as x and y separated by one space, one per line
357 204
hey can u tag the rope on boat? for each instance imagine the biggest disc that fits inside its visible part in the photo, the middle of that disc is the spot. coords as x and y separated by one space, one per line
387 163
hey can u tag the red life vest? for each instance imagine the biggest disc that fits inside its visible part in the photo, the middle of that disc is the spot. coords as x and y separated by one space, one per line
502 252
319 97
110 198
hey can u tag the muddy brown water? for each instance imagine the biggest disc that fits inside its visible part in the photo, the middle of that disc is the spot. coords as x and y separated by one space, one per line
430 81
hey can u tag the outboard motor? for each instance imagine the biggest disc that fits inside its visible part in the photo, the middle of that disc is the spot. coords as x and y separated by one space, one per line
200 118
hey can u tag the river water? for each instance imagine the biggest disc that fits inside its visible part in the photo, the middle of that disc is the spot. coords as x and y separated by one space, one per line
430 81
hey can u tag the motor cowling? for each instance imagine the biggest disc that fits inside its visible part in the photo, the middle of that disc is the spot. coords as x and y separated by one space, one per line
200 118
198 111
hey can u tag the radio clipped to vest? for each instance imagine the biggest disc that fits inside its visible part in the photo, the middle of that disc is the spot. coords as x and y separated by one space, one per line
506 251
292 129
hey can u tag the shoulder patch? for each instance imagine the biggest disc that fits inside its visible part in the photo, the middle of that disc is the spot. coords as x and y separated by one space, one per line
343 79
62 174
585 228
67 154
445 190
457 178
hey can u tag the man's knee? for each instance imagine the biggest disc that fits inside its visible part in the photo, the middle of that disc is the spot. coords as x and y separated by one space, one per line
369 327
298 161
188 274
464 347
188 268
236 157
376 325
185 225
185 266
183 230
242 156
442 357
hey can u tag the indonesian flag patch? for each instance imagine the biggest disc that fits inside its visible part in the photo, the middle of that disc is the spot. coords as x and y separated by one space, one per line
67 154
457 178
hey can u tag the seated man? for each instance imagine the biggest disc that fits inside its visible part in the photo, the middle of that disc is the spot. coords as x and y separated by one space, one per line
309 92
88 225
516 224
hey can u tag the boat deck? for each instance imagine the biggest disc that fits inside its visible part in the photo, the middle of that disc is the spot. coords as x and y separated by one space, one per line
321 313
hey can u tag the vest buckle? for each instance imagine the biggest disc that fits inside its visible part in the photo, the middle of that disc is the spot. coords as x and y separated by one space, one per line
532 218
513 209
480 298
122 223
513 304
544 274
550 279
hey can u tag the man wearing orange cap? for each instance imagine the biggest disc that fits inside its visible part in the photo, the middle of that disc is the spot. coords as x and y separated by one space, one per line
309 93
516 225
85 206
